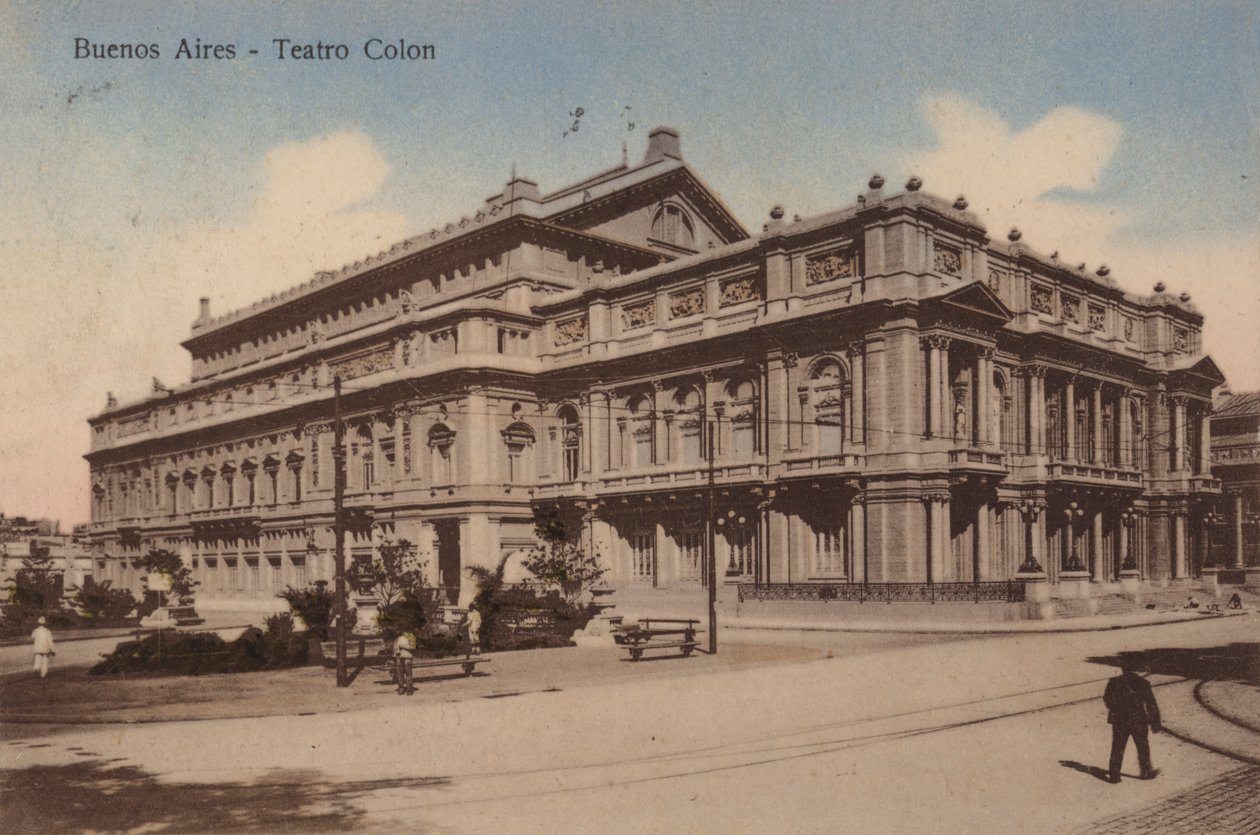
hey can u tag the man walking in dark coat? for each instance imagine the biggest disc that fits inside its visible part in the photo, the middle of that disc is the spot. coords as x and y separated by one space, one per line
1131 710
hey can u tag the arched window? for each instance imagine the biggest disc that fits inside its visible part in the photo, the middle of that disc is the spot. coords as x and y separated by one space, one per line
190 489
744 409
441 444
826 401
641 418
1000 414
672 226
208 477
570 442
172 490
688 420
98 502
518 438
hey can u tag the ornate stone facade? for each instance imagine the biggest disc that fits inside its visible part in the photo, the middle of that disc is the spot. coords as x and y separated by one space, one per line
578 352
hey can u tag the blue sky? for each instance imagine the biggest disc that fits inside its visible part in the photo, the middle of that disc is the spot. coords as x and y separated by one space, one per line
1118 132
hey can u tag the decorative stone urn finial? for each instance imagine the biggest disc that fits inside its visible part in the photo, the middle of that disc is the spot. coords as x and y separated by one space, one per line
914 184
876 182
1185 297
1103 271
776 213
960 203
1014 235
1160 287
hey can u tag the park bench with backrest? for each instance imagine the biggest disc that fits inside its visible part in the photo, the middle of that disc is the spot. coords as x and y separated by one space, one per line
374 652
658 634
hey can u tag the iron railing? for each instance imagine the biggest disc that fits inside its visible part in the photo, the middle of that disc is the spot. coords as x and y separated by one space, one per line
1002 591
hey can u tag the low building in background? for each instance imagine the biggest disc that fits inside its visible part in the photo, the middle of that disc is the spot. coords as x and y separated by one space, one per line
891 396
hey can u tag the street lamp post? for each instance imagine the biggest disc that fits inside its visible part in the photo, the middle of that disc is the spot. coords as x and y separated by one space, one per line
339 532
1073 514
711 579
1030 510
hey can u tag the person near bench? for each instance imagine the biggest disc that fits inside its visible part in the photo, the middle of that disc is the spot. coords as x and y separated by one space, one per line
404 652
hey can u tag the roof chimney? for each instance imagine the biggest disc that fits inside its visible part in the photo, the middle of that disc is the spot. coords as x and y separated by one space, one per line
662 142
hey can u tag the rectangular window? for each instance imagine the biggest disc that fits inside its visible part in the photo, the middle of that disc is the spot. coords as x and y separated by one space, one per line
251 570
643 545
275 576
233 575
829 550
299 572
691 555
741 549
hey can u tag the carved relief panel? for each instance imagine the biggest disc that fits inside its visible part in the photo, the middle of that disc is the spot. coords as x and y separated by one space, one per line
829 266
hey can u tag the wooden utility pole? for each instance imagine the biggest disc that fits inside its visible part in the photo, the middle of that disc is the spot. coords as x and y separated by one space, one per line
712 549
339 532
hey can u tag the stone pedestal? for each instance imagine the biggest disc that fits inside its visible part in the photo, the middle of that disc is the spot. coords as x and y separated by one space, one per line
367 612
1074 585
1037 602
1251 581
1130 583
1208 578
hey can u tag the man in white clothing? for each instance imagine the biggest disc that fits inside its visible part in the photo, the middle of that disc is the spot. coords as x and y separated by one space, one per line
42 636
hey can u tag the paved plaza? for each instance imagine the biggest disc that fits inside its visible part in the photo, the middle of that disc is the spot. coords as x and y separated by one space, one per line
780 732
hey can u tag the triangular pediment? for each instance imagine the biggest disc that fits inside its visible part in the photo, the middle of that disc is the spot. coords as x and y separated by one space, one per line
673 212
1205 369
974 299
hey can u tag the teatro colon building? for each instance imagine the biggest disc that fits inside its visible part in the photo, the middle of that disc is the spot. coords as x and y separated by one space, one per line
897 401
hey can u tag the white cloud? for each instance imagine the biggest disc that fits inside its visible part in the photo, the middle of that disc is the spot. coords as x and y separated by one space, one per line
1018 178
87 314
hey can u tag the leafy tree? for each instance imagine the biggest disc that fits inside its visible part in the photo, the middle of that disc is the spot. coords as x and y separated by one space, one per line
489 598
168 563
559 562
395 572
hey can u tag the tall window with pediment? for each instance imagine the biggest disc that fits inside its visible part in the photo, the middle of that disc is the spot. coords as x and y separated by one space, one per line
250 471
743 420
1000 415
294 464
641 417
271 469
190 490
229 485
441 445
1109 434
172 492
826 401
689 423
361 453
98 502
518 438
570 443
672 226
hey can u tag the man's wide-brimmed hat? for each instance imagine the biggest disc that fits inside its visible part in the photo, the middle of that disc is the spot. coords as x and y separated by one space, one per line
43 621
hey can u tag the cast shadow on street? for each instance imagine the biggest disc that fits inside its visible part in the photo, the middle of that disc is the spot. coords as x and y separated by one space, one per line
1233 662
96 796
1092 770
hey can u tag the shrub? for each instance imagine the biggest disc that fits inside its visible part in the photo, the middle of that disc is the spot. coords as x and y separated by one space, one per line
99 603
196 653
280 625
314 605
409 613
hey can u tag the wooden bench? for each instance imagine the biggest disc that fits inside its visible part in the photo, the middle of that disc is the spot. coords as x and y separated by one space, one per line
679 633
468 662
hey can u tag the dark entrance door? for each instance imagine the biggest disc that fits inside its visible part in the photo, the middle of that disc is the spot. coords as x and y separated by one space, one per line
449 571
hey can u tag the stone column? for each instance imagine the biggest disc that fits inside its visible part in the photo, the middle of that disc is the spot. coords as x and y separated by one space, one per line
585 414
946 412
1096 548
1037 410
934 386
1068 416
1126 429
1236 500
983 557
857 417
1179 544
1095 422
1205 441
601 433
857 511
984 394
1179 434
939 541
